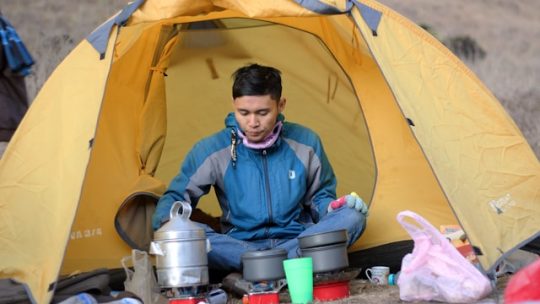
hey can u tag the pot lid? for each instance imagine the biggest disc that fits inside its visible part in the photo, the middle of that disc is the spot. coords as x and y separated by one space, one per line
330 247
179 226
323 238
265 253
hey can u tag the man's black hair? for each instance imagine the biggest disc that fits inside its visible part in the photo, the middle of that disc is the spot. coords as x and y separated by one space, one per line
257 80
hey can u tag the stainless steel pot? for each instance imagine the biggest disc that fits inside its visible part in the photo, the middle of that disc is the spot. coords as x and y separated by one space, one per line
327 258
264 265
181 250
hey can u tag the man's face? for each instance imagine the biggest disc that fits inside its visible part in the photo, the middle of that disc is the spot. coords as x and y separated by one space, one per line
257 115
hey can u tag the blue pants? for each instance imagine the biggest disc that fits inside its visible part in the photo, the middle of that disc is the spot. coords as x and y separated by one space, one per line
226 253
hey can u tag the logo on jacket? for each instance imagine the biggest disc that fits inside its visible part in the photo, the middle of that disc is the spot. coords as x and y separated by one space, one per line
292 174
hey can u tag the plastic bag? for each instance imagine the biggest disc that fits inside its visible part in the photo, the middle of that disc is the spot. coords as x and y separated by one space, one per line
435 270
524 286
141 280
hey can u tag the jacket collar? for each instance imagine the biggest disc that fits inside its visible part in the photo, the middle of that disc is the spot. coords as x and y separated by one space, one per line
232 124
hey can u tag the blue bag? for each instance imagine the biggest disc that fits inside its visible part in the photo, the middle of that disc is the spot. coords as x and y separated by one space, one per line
17 55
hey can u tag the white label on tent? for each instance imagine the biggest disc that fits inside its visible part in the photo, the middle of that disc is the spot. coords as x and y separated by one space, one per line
502 204
86 233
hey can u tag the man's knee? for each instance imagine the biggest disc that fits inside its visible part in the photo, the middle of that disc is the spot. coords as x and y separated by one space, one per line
354 220
350 215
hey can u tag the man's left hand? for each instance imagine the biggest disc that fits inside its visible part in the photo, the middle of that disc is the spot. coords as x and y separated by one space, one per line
352 200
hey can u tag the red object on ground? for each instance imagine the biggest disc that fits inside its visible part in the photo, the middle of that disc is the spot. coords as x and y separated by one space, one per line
524 286
331 291
264 298
190 300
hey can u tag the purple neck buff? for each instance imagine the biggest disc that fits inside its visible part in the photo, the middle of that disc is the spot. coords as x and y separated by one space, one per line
265 143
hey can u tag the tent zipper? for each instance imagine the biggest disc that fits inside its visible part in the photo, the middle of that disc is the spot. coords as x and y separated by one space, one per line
267 186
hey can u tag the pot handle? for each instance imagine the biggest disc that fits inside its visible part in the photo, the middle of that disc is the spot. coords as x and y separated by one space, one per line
208 246
156 249
184 206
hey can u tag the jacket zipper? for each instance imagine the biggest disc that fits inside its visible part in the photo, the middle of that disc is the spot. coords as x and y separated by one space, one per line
267 187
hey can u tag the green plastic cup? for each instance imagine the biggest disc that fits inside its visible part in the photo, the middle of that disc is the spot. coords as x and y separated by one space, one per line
299 274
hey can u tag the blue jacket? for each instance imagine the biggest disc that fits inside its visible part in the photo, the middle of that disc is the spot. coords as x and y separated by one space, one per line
263 194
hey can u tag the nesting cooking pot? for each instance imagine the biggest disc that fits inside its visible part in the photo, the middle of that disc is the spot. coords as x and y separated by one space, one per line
264 265
180 247
327 249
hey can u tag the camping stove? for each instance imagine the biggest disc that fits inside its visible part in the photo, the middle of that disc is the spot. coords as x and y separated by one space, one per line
333 285
265 292
186 295
195 295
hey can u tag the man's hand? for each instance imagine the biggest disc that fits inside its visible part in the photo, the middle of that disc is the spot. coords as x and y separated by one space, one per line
351 200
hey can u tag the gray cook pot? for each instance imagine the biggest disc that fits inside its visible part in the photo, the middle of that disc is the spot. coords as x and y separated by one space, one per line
264 265
181 247
327 258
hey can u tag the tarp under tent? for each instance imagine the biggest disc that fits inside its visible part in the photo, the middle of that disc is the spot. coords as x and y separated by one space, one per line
404 122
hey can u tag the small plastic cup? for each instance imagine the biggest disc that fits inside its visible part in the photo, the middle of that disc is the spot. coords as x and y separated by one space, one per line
299 274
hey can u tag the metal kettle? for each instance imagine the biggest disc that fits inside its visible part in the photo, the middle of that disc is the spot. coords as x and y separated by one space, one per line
181 247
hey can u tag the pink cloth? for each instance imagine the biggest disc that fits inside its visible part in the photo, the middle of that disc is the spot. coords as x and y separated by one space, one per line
267 142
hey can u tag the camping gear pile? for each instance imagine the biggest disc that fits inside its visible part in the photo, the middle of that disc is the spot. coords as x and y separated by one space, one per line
331 275
404 122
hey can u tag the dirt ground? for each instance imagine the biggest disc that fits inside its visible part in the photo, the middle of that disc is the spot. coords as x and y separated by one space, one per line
364 292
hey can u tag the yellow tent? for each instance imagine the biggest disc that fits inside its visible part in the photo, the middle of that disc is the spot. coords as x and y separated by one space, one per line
404 122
